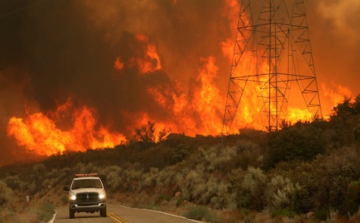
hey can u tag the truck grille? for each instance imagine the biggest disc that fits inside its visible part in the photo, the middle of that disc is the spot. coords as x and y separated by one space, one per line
87 197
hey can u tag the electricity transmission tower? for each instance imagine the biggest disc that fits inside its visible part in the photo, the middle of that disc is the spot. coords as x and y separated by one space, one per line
271 52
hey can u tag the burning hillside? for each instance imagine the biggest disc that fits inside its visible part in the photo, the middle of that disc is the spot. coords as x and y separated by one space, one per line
85 75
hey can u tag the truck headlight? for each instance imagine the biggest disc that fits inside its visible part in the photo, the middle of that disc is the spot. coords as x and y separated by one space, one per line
102 196
73 197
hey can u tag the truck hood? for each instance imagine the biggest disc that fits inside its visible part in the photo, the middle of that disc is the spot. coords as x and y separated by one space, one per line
88 190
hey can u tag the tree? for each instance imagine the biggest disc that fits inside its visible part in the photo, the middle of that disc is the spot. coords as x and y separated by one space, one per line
147 136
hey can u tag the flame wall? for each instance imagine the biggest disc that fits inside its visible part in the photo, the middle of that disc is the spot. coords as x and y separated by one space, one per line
128 62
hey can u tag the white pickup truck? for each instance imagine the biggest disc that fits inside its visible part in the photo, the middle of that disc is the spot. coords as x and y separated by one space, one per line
86 194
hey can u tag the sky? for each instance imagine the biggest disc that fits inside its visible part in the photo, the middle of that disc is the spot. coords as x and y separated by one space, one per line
123 63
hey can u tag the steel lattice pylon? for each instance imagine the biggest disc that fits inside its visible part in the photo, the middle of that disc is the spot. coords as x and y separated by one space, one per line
274 42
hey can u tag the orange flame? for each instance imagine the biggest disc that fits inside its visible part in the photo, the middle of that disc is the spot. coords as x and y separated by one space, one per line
207 100
250 112
334 96
338 95
159 127
230 11
39 133
118 64
151 62
198 112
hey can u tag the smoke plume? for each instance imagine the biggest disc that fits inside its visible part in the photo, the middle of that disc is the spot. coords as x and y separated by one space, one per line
144 59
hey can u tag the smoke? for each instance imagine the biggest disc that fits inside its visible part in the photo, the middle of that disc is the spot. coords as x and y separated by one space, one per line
344 18
55 50
51 50
335 36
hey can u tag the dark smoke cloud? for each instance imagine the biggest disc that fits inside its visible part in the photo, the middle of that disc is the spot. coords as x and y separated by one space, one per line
50 50
68 48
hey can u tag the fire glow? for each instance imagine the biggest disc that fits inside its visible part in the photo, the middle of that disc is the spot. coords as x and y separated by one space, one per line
39 133
198 110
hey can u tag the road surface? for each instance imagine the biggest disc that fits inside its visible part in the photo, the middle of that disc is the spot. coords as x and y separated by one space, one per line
119 214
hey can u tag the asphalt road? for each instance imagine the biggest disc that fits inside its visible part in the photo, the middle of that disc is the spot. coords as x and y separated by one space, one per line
118 214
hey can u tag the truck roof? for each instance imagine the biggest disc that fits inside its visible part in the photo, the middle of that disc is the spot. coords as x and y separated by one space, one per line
81 178
86 175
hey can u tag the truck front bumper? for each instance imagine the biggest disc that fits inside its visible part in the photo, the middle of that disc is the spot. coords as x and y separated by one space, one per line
87 207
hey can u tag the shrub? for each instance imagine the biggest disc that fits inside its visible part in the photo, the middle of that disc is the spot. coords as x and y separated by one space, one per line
296 142
65 200
280 192
249 154
161 198
252 189
217 158
282 213
352 200
46 212
147 136
113 178
13 182
5 194
194 185
32 188
85 168
39 168
200 213
179 153
332 217
321 214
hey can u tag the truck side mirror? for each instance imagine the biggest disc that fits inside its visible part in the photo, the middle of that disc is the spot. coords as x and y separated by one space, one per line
66 188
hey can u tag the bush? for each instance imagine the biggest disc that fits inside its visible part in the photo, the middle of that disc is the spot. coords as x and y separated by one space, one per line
301 142
352 200
161 198
216 158
321 214
179 153
249 154
180 201
200 213
280 192
282 213
13 182
6 194
113 179
252 189
65 200
46 212
147 136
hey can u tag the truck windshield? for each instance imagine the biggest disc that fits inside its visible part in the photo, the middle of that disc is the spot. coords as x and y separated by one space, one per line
86 183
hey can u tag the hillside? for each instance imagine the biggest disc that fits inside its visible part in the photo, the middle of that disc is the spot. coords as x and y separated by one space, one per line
306 172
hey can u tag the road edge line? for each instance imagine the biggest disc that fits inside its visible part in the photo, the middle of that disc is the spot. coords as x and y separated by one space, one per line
164 213
53 218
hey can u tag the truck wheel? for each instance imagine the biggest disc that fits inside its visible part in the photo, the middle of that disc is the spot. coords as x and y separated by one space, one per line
71 213
103 212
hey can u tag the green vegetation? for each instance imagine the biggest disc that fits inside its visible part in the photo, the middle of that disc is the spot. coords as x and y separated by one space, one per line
200 213
309 169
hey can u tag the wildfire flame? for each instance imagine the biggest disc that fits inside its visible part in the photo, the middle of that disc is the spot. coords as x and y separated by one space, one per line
152 61
198 110
149 63
39 133
118 64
